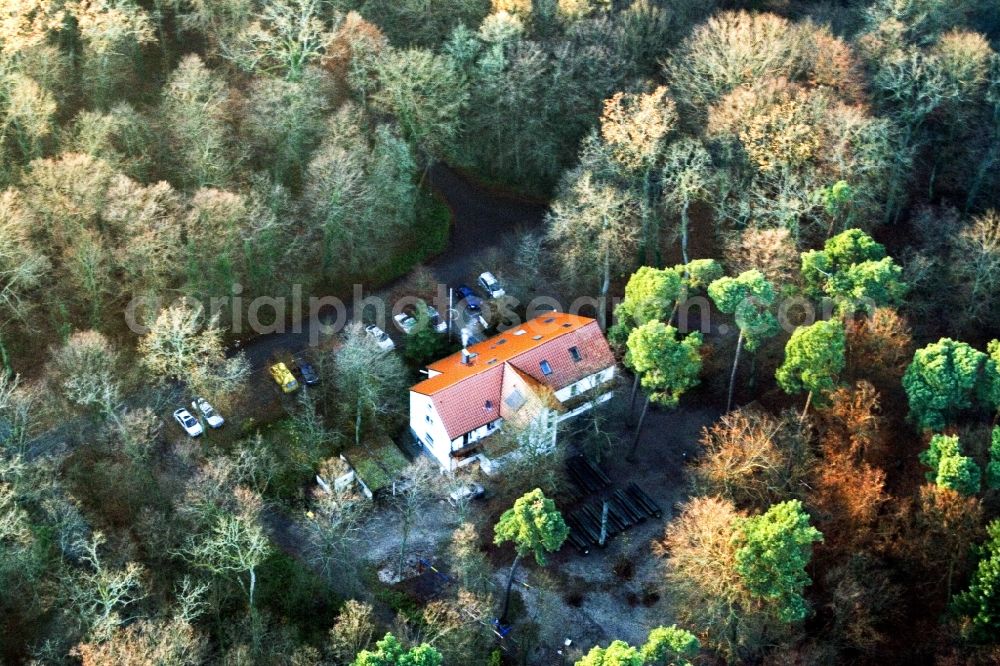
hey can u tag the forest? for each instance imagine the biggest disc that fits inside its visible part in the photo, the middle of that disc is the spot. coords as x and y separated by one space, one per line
784 213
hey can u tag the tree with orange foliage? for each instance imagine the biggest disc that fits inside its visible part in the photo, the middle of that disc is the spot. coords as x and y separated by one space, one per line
937 532
147 643
852 424
634 127
25 24
835 66
848 491
352 52
754 459
879 348
846 497
739 578
771 251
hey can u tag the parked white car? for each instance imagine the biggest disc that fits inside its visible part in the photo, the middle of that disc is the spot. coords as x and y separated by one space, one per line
489 282
212 418
465 492
380 337
190 424
405 322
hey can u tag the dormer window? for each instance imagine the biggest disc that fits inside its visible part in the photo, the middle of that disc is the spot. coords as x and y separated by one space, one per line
546 368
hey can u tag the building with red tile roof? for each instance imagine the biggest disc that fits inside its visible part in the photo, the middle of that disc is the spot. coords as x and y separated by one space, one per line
548 369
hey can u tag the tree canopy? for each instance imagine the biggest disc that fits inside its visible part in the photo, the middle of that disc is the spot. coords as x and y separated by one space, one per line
534 525
943 381
854 270
772 553
979 605
390 652
667 366
748 297
814 359
948 467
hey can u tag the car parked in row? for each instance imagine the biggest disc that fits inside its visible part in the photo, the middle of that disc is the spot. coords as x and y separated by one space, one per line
305 370
472 301
439 324
380 337
284 378
212 418
408 319
489 282
188 422
406 322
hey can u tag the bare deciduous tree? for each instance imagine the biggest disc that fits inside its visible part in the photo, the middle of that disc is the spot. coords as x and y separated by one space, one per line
86 372
369 380
182 345
100 594
21 265
754 459
283 37
595 228
197 111
687 178
353 630
421 480
234 543
147 643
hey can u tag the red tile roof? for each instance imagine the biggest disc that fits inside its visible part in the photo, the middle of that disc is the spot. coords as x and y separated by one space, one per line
460 393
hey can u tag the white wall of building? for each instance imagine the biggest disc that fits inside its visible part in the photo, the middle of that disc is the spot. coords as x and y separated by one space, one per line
428 428
585 384
478 434
426 424
580 409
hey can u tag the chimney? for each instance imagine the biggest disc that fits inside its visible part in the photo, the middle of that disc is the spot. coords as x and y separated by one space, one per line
468 357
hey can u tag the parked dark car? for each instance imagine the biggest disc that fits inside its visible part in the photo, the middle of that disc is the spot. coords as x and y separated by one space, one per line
307 372
439 324
472 301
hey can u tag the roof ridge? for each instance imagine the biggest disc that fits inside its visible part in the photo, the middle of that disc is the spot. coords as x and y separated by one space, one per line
523 374
490 353
459 380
